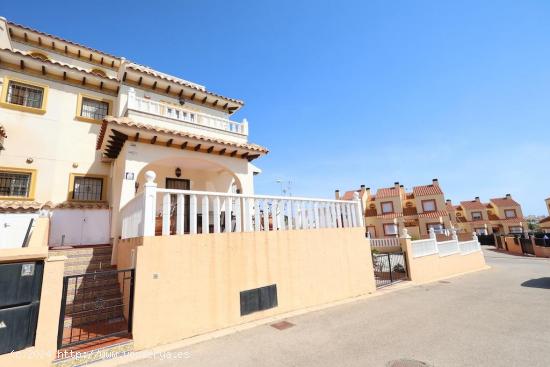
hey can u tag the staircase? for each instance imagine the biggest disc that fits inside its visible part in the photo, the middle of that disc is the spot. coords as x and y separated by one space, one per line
93 303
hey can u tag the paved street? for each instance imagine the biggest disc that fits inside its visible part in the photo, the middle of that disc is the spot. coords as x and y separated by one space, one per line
498 317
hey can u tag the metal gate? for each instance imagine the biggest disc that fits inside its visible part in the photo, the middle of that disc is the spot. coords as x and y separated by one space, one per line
389 268
527 246
486 239
95 306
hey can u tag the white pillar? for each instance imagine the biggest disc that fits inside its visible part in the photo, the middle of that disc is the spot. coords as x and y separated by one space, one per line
166 214
216 209
150 205
180 214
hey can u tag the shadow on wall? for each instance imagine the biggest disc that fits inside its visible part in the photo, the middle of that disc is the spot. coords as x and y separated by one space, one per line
543 283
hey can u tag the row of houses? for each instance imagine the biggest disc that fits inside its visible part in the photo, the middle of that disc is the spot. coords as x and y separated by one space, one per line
389 210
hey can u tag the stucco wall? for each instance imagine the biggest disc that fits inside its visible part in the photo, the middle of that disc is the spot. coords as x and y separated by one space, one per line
433 267
199 277
541 251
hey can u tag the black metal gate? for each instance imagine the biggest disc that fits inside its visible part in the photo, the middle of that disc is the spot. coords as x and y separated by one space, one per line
389 268
486 239
95 306
527 246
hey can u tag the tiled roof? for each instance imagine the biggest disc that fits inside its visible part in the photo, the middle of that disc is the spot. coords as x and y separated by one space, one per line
387 192
545 220
389 215
61 39
125 121
427 190
436 214
504 202
82 205
57 63
157 74
474 204
3 131
19 205
348 195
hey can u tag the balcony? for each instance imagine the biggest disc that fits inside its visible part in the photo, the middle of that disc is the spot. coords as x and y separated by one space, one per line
186 117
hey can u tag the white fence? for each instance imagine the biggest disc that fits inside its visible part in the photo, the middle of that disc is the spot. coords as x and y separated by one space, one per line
215 212
430 246
385 242
182 114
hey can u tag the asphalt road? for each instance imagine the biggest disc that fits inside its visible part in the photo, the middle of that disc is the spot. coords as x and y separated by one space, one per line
497 317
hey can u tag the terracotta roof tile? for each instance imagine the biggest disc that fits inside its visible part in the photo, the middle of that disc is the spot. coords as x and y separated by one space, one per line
474 204
436 214
545 220
348 195
57 63
427 190
19 205
504 202
387 192
61 39
173 79
389 215
125 121
82 205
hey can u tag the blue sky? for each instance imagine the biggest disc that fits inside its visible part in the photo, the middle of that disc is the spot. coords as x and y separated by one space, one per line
350 93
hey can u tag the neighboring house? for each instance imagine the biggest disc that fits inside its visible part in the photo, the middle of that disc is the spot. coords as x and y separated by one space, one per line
544 224
499 215
79 128
391 209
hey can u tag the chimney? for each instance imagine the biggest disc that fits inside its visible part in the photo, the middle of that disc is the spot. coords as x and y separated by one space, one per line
448 201
396 184
435 182
508 196
362 191
367 190
337 194
477 199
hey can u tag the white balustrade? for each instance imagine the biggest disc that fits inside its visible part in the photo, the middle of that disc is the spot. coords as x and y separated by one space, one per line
467 247
446 248
214 212
385 242
182 114
424 247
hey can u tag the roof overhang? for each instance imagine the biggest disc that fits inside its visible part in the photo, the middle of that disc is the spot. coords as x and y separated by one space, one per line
57 71
116 131
144 77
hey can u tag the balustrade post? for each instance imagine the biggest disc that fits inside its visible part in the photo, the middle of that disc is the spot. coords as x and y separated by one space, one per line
291 214
180 214
338 216
266 214
150 204
166 214
317 216
238 214
193 214
205 215
358 209
274 214
257 224
228 202
216 209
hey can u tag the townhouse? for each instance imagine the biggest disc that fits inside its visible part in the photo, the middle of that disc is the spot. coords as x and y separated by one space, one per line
544 224
500 216
392 209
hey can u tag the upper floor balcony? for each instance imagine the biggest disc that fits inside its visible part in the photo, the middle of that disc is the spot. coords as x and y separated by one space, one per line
181 117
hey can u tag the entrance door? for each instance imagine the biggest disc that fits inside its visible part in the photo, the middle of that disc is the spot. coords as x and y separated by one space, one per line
179 184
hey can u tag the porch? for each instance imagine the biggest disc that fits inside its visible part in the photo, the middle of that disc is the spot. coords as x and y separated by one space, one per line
166 211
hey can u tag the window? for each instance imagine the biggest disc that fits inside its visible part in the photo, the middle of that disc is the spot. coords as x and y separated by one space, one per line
91 109
516 229
477 216
428 205
25 95
510 213
390 229
16 184
387 207
87 188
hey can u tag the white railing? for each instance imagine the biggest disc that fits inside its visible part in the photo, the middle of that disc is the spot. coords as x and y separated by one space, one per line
424 247
215 212
468 247
385 242
447 248
430 246
182 114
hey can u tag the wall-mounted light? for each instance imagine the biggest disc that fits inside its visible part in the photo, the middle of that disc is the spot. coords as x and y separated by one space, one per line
30 160
178 172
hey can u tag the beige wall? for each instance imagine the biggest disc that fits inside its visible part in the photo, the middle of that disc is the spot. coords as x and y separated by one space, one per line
199 277
512 246
433 267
